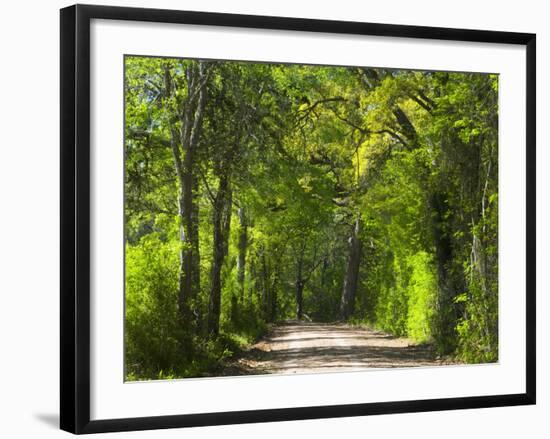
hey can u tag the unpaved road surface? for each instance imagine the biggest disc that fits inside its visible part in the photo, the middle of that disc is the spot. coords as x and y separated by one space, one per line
314 347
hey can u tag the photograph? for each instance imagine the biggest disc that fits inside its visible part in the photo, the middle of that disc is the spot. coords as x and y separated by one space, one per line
298 219
257 219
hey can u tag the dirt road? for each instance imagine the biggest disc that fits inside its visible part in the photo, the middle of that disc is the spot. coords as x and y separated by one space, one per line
314 347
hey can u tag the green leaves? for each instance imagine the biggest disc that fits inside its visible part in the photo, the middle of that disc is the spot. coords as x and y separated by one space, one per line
307 150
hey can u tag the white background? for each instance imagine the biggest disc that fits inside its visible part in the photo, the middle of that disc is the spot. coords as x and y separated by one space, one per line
29 219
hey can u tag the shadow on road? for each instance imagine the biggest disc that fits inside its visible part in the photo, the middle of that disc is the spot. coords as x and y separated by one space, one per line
296 347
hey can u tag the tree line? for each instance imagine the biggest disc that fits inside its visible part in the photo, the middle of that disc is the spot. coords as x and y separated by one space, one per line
259 192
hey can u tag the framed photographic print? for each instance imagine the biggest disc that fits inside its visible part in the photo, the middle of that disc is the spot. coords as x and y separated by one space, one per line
267 218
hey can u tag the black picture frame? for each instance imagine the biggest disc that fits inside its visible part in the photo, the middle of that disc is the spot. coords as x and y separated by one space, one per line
75 217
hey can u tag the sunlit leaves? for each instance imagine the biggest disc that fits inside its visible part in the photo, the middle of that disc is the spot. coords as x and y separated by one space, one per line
308 150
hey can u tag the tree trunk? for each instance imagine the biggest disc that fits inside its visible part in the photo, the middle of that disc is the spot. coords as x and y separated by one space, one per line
265 288
273 298
242 247
324 268
299 299
189 280
299 285
347 303
221 217
449 281
183 145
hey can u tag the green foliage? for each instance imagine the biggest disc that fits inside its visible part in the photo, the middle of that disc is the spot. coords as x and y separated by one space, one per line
478 328
422 291
306 152
153 339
